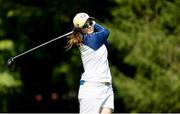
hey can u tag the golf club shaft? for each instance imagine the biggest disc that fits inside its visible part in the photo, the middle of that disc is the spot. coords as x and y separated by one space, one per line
42 45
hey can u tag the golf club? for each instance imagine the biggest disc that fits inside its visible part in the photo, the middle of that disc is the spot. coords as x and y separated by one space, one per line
11 61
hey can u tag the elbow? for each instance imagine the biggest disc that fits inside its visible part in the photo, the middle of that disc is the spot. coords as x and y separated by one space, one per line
106 32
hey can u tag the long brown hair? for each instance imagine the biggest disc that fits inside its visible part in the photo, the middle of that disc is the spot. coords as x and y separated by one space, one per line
75 38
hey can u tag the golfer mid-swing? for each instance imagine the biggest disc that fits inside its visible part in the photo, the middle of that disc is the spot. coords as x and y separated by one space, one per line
95 92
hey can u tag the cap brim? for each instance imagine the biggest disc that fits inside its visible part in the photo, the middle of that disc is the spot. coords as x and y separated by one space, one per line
91 18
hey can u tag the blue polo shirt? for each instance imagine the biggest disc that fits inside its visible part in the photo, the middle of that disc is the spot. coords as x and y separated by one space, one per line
94 56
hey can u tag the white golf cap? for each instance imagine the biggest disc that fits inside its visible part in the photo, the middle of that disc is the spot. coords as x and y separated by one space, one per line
80 19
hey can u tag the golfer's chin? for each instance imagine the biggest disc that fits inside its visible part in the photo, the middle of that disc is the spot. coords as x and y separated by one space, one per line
90 31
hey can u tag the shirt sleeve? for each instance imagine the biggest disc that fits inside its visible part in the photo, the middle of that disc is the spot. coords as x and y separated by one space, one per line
96 39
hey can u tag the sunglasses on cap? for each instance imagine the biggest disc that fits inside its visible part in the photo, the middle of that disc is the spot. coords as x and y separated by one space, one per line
88 24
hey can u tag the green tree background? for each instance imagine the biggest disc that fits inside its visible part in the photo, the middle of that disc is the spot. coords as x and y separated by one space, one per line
144 54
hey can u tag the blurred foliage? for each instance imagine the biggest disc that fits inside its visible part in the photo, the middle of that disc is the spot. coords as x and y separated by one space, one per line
10 82
144 52
146 35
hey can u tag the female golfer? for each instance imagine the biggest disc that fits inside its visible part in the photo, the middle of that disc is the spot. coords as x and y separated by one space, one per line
95 92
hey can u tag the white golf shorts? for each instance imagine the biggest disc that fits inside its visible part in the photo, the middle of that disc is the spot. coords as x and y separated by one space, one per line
95 95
